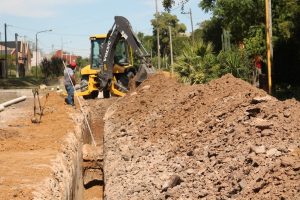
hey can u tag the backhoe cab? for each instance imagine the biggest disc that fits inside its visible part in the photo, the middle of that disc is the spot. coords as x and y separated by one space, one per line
90 82
111 69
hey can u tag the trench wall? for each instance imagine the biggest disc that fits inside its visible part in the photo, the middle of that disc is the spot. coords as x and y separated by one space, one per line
65 181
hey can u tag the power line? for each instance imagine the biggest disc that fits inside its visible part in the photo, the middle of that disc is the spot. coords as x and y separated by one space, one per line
175 8
22 28
69 34
52 33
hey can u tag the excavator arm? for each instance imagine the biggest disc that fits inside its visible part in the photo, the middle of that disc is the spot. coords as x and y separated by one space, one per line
120 29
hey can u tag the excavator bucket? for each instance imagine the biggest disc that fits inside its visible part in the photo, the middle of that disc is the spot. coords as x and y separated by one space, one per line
143 73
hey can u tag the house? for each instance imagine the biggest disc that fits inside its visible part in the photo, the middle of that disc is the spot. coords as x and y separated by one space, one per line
37 58
2 60
24 56
68 57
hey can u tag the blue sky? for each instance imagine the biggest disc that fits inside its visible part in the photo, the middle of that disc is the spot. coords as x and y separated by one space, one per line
73 21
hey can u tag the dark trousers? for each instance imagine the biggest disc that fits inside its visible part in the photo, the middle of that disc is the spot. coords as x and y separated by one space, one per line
70 97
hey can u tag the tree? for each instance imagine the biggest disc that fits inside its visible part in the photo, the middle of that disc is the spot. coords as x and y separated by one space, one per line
168 4
197 63
179 44
82 62
46 67
255 43
52 68
236 62
57 66
163 21
287 44
236 16
246 22
211 32
146 40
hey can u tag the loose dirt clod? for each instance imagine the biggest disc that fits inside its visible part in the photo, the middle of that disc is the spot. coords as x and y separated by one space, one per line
225 139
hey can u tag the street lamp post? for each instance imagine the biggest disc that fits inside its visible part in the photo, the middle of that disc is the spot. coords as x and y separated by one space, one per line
36 49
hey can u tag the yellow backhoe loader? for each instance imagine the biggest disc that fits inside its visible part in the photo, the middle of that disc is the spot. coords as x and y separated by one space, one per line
111 67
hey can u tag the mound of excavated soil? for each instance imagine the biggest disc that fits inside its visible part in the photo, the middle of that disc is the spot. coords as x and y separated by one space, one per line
225 139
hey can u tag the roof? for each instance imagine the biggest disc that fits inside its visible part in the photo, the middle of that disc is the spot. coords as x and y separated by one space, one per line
12 44
98 36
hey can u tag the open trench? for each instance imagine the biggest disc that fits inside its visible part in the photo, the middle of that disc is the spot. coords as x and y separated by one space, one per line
77 172
92 166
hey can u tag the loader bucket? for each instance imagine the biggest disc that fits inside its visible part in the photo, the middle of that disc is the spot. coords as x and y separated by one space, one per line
143 73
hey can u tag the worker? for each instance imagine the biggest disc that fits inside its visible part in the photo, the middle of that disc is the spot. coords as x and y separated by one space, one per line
258 63
257 70
69 81
261 69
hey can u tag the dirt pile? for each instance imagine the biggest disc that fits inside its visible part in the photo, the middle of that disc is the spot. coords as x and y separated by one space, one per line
225 139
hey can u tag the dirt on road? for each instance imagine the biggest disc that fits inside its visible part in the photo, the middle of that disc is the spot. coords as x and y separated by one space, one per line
27 149
221 140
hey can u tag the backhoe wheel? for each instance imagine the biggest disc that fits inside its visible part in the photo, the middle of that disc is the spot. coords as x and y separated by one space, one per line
86 97
93 95
106 93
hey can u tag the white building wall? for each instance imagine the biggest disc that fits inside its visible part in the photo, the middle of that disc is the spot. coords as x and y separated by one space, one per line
39 58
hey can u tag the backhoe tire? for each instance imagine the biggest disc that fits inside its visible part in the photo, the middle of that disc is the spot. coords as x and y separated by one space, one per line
93 95
106 93
86 97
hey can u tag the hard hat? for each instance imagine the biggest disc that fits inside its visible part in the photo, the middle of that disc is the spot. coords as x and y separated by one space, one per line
73 64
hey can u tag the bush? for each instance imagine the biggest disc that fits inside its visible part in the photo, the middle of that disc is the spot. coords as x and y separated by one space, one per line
235 62
52 68
196 64
35 70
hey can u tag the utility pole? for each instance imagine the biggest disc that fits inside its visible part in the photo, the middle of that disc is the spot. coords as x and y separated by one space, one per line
6 65
192 26
36 54
269 42
62 46
191 17
36 49
0 49
1 68
17 52
171 49
157 34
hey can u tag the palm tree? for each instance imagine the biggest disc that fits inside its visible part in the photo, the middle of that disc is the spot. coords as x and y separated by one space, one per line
196 63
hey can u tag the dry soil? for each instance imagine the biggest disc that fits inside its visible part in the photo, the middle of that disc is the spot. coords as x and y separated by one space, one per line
221 140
